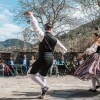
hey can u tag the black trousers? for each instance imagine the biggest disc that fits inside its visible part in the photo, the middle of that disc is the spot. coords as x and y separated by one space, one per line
42 64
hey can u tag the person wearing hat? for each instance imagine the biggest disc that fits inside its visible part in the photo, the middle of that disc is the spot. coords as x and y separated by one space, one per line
46 47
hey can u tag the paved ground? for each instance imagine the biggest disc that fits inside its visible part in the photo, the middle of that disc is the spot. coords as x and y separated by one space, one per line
61 88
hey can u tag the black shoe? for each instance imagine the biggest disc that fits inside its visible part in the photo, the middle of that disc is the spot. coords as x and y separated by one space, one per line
97 86
40 97
92 90
44 91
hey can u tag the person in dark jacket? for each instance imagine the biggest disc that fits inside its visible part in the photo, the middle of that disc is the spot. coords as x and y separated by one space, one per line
25 62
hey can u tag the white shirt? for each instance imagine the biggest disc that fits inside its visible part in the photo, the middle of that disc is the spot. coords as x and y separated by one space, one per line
24 62
54 61
40 34
92 49
12 62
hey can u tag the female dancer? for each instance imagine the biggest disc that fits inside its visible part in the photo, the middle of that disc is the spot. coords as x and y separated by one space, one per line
90 68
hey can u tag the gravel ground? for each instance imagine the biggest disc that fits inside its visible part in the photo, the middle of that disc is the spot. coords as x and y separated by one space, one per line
61 88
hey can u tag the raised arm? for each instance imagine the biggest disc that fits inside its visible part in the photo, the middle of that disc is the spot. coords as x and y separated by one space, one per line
61 47
35 25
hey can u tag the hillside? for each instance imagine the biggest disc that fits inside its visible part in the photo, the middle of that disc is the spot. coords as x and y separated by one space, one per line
85 29
16 43
76 40
80 38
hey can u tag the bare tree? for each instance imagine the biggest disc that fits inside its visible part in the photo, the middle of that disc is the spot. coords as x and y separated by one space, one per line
54 11
60 14
28 35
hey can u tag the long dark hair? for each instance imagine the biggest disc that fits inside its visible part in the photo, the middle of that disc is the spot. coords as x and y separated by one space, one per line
0 60
97 35
96 28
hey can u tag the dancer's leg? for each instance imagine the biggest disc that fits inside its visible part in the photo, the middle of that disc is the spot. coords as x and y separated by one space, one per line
37 79
93 80
44 79
97 80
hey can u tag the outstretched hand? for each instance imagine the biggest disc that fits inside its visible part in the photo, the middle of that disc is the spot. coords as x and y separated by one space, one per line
28 13
79 55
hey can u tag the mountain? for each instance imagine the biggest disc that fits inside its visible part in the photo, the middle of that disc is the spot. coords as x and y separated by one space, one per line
1 45
77 39
16 43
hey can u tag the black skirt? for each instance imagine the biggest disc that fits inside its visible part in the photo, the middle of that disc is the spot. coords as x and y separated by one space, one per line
42 64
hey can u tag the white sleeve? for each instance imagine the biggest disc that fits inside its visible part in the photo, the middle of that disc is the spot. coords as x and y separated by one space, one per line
36 27
3 65
92 49
61 47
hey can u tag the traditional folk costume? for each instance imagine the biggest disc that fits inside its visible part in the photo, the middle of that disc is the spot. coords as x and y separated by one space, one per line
90 68
45 59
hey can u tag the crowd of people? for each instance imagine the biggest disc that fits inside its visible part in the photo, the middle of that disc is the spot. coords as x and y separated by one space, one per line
59 66
9 68
37 70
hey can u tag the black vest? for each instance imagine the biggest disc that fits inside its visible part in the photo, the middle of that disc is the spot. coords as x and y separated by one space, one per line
47 44
98 49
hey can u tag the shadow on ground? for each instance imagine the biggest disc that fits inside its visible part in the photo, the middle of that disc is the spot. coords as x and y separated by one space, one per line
61 94
73 93
27 94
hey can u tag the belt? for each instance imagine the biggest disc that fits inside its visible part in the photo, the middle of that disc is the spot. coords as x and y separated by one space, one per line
49 53
46 54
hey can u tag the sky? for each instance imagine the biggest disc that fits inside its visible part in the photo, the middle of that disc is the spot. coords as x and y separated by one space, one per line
8 28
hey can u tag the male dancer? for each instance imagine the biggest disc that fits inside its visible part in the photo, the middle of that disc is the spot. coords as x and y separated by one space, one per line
46 48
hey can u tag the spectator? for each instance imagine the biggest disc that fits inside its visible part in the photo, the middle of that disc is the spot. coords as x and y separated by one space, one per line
25 62
11 65
75 62
54 65
65 65
62 60
81 61
1 67
6 68
32 60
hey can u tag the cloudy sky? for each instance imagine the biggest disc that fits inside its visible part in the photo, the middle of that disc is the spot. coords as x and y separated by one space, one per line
8 28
